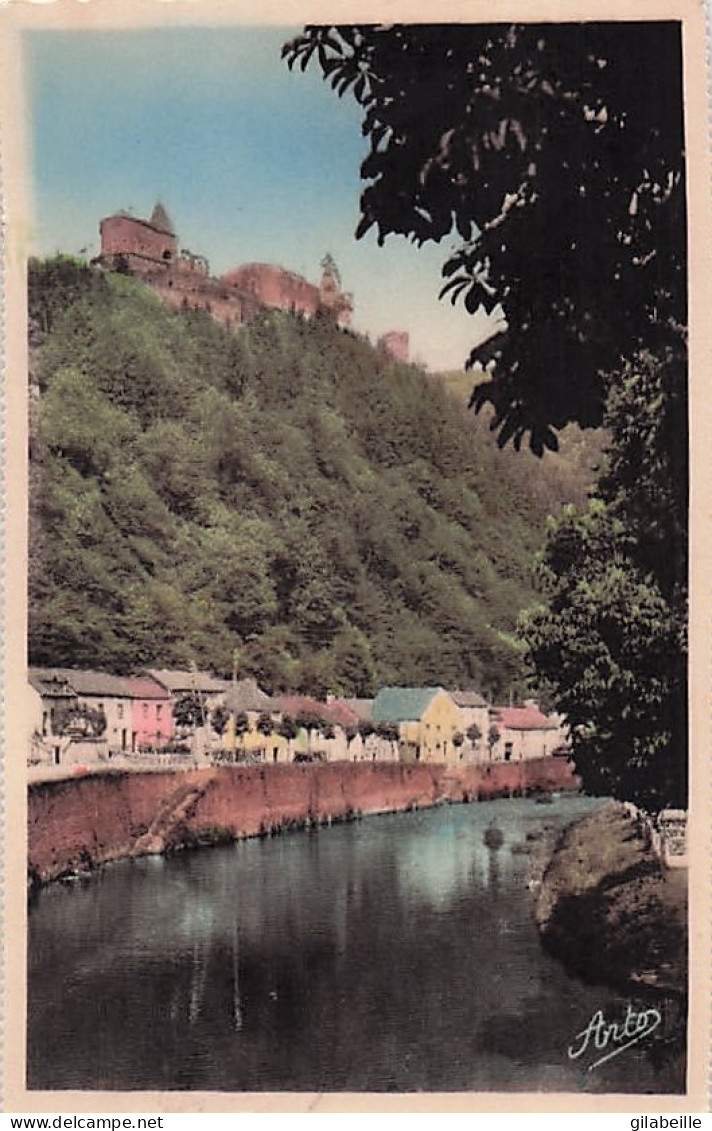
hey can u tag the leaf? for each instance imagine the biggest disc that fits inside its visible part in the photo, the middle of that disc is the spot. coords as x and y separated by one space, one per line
472 298
451 267
455 285
363 226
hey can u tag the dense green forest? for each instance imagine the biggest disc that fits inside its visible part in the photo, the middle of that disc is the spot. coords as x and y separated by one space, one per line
278 500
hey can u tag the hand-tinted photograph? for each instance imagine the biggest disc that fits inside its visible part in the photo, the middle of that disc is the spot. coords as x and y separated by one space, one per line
356 722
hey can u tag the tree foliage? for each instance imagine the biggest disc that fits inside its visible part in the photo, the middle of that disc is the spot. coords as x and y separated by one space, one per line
189 711
555 153
611 645
219 718
241 724
288 728
80 720
265 723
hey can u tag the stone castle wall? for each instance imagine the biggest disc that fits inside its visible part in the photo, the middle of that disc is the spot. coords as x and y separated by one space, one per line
124 235
275 287
187 285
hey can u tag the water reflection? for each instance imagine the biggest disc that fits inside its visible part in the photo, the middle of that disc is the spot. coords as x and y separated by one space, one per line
397 953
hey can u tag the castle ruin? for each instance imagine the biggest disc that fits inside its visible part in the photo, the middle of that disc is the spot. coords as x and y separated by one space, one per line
148 249
395 345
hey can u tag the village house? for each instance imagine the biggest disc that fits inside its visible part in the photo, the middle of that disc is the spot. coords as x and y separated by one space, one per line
50 697
48 702
333 729
428 720
151 713
246 701
83 715
518 734
369 745
208 688
106 694
474 725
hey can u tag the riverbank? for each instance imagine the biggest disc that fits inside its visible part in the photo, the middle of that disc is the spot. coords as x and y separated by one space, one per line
77 824
610 912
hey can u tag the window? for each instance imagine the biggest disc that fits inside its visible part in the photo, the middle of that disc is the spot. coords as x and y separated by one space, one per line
145 710
508 748
159 711
119 710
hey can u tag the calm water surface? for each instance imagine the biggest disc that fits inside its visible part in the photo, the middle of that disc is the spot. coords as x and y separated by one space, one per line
398 953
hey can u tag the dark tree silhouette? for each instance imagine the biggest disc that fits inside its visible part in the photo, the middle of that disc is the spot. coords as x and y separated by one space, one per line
555 153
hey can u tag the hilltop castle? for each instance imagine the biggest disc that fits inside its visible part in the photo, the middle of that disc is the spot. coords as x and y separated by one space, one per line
149 250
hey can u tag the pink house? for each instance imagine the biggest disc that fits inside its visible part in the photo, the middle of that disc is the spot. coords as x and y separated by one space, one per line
524 733
151 713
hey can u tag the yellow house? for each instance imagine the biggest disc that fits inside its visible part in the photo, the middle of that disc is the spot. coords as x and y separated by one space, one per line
428 720
247 703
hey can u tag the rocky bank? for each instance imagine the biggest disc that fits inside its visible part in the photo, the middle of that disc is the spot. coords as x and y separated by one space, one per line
609 911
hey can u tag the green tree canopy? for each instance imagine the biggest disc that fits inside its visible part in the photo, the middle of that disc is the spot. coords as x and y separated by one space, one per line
610 647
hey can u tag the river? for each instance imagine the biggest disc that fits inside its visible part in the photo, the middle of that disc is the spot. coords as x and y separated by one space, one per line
398 953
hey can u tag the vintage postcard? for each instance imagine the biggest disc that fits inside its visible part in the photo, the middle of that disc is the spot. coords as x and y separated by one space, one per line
357 680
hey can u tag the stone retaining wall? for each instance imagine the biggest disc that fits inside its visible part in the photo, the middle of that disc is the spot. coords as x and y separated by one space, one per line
79 823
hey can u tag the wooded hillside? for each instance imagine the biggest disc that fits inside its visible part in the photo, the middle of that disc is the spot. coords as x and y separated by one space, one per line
280 499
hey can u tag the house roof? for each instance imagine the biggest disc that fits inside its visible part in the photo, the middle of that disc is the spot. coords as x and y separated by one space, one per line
342 714
523 718
402 704
144 687
362 708
246 695
469 698
335 712
50 685
87 682
182 682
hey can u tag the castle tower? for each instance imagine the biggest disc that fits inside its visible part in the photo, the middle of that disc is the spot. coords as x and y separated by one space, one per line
140 245
161 221
395 345
332 298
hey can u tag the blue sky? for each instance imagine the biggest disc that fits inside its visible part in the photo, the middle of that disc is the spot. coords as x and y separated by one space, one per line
251 161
